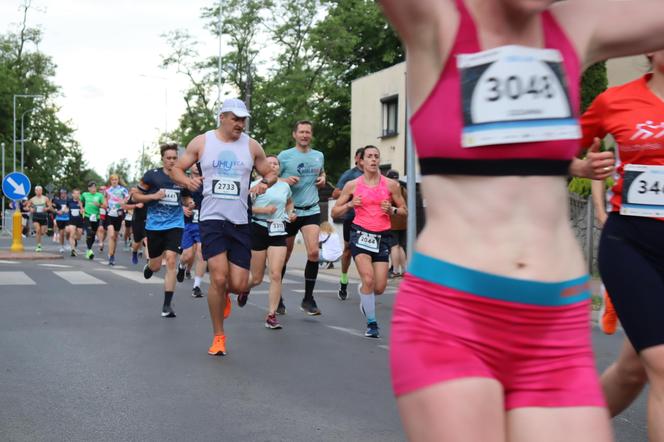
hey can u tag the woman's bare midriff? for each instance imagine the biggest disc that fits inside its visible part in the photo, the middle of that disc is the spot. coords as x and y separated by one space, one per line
511 226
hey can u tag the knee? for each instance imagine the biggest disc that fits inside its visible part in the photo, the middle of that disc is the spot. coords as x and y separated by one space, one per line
219 281
368 281
313 255
275 275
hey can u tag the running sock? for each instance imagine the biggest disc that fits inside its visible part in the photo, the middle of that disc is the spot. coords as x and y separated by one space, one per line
344 278
310 275
168 297
89 241
283 272
197 281
368 303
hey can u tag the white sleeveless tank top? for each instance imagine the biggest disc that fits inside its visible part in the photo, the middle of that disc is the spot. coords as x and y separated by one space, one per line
226 169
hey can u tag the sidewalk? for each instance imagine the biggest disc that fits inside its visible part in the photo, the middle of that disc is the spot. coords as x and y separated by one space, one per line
28 253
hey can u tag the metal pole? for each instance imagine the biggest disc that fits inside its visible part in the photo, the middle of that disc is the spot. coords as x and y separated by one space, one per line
590 224
219 67
22 137
15 132
247 97
4 219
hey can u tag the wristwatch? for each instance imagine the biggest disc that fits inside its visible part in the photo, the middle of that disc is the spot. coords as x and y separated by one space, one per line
265 181
394 210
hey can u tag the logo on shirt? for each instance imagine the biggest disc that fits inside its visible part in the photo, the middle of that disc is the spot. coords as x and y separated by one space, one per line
227 162
304 169
648 130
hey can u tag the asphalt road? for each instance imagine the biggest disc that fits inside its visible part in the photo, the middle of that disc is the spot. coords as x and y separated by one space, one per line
85 356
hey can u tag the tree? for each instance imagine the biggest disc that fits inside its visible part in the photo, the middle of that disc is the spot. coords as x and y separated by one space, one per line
52 155
122 168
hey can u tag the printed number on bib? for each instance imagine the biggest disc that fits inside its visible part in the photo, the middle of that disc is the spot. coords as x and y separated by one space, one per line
39 209
515 94
75 212
102 211
113 212
195 216
368 241
93 217
276 228
128 217
643 191
172 197
225 188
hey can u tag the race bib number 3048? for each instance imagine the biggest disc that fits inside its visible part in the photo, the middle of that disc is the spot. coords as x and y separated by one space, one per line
643 191
515 94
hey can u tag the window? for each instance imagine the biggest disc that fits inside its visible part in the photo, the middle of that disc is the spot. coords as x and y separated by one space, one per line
390 115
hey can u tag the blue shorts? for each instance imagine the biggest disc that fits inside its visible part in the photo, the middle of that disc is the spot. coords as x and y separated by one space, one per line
190 236
381 243
219 237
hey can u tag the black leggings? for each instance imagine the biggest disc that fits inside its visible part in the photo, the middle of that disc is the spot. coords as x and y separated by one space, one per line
631 262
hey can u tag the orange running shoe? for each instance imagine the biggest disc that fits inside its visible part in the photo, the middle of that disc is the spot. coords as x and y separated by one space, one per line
218 347
229 304
608 320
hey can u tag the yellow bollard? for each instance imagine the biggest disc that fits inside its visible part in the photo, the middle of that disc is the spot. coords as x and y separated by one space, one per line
17 228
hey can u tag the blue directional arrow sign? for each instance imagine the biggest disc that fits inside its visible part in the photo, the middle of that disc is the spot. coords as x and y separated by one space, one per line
16 186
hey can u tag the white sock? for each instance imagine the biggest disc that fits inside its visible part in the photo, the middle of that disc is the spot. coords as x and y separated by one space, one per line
368 304
197 281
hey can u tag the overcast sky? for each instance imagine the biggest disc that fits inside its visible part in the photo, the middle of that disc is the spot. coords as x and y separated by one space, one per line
107 55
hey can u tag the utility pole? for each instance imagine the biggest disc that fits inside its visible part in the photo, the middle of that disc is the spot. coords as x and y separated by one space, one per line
14 123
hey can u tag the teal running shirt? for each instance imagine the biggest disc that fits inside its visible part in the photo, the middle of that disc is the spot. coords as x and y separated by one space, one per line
306 166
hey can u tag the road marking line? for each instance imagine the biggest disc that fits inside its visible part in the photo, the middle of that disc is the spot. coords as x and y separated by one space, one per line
326 278
15 278
56 266
8 262
137 277
79 278
350 331
384 347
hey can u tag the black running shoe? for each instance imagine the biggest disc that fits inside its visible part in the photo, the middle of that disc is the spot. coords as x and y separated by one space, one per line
167 312
242 299
309 307
343 291
281 308
180 275
147 272
196 293
187 274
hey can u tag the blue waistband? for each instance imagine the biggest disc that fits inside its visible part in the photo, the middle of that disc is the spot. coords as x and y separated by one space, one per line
499 287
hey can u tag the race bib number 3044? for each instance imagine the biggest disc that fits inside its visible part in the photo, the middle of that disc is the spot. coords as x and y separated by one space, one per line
643 191
515 94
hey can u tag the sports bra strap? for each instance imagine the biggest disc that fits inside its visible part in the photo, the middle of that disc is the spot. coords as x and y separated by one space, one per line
466 40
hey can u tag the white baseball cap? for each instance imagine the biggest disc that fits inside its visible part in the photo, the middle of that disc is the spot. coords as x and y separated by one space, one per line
235 106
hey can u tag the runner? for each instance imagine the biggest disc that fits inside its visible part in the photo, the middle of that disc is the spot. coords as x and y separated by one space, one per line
191 238
75 226
61 208
165 221
399 235
226 156
116 197
92 201
631 249
129 215
103 226
347 176
270 213
497 268
303 169
372 196
139 214
39 205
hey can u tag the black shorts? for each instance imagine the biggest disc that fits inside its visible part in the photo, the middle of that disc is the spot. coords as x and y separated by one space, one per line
41 220
399 238
138 229
218 236
76 222
631 263
91 226
301 221
115 221
347 227
261 240
61 224
127 224
161 240
382 244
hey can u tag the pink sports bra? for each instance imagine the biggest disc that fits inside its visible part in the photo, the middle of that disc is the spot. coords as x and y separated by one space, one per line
442 121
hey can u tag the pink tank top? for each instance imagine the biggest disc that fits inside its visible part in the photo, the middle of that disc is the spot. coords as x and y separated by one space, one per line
447 116
369 215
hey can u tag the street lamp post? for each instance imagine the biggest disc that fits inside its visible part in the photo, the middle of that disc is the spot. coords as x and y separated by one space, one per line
14 122
219 67
23 137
